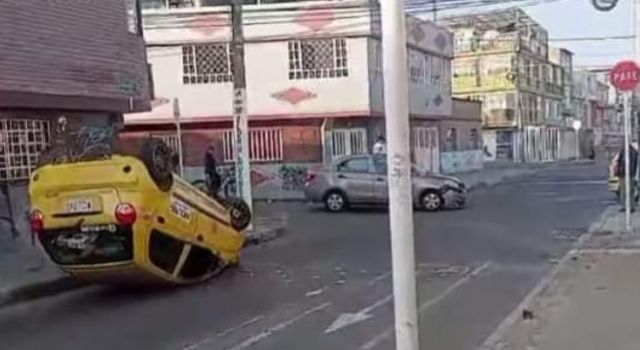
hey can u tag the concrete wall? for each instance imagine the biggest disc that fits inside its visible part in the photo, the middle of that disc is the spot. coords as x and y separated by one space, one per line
461 161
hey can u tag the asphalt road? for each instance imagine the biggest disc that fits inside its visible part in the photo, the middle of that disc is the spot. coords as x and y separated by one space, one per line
326 284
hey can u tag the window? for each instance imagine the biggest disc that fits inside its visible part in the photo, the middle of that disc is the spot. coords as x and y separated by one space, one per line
437 70
416 68
317 59
440 73
164 4
170 140
357 165
376 56
21 142
265 145
451 140
474 139
206 64
349 142
164 251
133 18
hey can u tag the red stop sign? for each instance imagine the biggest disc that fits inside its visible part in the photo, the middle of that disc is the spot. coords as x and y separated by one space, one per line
625 75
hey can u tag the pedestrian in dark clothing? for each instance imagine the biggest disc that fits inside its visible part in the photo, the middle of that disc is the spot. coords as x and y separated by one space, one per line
620 174
211 172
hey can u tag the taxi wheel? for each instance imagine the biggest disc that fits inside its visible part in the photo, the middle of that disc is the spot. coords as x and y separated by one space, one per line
240 213
156 156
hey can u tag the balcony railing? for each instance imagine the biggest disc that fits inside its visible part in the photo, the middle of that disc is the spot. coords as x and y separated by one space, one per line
486 82
500 44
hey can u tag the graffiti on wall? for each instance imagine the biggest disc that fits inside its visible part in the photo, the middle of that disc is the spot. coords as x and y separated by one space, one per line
293 177
269 181
91 141
79 143
461 161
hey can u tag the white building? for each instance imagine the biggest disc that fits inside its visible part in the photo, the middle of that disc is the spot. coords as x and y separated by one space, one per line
314 80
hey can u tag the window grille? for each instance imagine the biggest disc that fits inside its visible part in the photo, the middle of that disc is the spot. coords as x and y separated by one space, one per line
317 59
206 64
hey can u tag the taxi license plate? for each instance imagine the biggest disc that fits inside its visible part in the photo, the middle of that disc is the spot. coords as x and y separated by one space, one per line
80 205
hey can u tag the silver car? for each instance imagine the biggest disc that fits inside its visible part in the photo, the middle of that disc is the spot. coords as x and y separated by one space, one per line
362 179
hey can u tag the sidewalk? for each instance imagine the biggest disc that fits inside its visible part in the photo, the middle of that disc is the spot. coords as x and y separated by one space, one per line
27 274
590 301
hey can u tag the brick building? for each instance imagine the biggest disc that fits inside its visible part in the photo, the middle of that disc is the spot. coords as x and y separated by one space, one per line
84 62
314 85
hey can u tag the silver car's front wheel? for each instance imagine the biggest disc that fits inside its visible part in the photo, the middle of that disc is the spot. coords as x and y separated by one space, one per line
432 201
335 201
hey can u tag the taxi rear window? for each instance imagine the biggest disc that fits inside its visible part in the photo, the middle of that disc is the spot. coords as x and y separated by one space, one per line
164 251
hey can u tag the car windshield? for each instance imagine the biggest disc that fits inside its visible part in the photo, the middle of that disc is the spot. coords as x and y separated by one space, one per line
213 174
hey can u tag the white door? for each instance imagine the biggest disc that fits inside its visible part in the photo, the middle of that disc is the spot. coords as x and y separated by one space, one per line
426 150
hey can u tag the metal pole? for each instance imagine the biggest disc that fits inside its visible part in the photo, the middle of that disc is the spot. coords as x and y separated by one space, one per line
636 30
240 119
627 196
176 118
435 11
577 144
399 173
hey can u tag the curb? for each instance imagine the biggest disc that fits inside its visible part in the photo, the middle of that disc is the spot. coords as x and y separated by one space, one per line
39 290
257 238
266 232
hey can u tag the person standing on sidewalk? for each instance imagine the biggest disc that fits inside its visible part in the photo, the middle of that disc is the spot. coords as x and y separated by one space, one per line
211 172
620 174
380 147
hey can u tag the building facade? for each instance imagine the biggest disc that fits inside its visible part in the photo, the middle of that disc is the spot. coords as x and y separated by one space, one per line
502 59
314 86
461 138
564 58
58 66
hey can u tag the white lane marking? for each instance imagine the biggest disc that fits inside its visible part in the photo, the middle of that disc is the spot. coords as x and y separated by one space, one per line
240 326
223 333
314 293
572 199
387 333
348 319
277 328
379 278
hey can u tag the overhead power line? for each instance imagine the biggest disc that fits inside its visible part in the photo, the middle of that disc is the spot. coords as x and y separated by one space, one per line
416 8
594 38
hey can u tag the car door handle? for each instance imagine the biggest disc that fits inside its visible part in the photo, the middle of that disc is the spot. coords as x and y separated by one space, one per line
381 179
341 176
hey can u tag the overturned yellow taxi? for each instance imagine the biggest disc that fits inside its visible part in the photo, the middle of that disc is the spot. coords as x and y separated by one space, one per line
122 218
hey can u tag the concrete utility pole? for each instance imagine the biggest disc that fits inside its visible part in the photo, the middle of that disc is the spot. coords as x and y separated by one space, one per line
396 101
240 118
176 119
627 131
636 30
